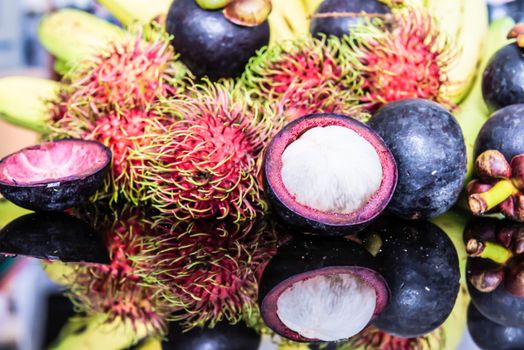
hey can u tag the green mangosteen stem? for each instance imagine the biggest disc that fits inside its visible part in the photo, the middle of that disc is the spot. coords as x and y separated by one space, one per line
488 250
479 203
213 4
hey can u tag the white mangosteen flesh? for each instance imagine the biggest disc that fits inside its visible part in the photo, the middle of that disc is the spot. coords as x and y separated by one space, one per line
327 307
331 169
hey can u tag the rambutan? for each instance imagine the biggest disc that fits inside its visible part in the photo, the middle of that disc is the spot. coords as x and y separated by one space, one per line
206 165
111 97
372 338
404 56
116 290
209 272
304 76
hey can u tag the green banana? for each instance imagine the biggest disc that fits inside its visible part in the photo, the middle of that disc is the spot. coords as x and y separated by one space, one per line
10 211
23 101
130 11
71 35
472 112
94 332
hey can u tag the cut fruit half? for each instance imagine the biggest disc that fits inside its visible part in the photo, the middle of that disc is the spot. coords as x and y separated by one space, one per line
328 173
54 176
321 289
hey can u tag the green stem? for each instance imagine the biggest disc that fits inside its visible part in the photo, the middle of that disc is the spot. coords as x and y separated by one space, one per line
479 203
488 250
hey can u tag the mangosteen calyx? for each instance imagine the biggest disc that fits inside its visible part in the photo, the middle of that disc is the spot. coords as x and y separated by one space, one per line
517 32
500 187
248 13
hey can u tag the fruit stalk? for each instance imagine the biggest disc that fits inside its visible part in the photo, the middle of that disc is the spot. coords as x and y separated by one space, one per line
488 250
480 203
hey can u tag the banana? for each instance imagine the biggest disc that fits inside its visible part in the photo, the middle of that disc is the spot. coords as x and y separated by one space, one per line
310 5
465 22
94 332
130 11
9 211
23 101
71 35
294 13
472 112
279 28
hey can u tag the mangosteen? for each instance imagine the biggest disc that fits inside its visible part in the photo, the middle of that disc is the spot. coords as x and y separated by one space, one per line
328 174
54 176
420 264
210 44
430 152
321 289
498 305
53 236
336 17
503 78
503 132
223 336
489 335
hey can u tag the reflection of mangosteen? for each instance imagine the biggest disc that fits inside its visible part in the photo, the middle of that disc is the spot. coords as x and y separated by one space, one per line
429 149
489 335
328 173
503 78
336 17
55 175
53 236
221 337
209 44
420 265
321 289
503 132
499 305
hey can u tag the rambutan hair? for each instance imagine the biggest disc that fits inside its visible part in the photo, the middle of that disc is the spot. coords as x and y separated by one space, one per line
207 163
304 76
111 98
404 56
209 271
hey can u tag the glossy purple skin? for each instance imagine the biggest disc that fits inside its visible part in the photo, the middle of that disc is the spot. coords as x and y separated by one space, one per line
430 152
503 78
209 44
489 335
61 193
306 257
309 219
340 26
503 132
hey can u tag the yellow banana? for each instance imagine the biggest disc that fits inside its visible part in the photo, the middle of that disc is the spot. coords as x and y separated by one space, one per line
71 35
23 101
279 28
294 13
10 211
130 11
310 5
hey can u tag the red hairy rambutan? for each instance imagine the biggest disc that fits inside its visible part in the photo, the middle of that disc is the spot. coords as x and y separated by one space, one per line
209 271
206 165
117 290
304 76
372 338
405 56
111 98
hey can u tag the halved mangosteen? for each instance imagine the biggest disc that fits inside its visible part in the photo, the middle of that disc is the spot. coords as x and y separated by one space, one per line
54 176
329 174
321 289
53 236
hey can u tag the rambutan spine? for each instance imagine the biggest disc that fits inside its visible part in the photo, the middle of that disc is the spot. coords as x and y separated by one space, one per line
207 163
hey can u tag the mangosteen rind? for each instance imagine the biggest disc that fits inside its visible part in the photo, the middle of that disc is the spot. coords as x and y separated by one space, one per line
61 194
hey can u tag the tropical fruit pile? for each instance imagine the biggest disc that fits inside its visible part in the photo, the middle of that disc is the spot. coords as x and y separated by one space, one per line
216 170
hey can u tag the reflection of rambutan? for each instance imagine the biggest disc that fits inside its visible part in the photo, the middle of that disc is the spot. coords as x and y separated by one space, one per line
117 290
304 76
408 59
373 339
206 164
209 271
111 98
